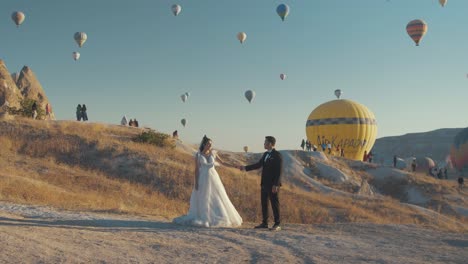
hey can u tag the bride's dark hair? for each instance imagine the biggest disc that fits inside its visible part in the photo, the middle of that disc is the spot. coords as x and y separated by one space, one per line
203 143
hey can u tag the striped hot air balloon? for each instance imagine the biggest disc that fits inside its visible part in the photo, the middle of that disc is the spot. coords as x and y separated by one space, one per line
80 38
416 30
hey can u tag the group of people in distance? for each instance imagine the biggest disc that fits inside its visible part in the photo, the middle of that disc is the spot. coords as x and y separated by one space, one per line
132 123
326 148
81 113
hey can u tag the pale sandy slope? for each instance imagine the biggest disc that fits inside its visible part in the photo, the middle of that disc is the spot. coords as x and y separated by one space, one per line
33 234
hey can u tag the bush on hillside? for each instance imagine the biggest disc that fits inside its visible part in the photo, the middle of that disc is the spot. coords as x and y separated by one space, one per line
26 109
155 138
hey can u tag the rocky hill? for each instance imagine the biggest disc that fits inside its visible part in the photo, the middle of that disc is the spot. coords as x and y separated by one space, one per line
16 87
434 144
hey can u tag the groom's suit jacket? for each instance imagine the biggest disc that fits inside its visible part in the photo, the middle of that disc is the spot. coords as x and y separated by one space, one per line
272 168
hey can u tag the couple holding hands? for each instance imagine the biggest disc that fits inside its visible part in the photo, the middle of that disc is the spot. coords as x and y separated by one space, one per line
209 204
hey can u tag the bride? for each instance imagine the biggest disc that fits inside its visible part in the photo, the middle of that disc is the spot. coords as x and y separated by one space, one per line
209 204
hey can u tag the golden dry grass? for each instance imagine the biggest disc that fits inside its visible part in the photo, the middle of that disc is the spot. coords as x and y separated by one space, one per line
97 167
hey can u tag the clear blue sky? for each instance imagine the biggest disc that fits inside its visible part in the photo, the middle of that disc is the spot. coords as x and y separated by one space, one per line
139 59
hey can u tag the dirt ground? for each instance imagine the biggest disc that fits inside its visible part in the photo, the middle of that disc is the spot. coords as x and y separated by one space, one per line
31 234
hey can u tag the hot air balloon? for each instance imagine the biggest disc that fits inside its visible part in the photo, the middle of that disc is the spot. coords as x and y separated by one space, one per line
183 121
176 9
338 93
76 55
241 36
184 97
246 148
18 17
443 2
459 151
345 124
283 11
283 76
250 95
416 30
80 38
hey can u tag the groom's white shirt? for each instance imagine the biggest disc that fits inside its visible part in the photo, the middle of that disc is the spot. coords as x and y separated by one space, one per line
267 155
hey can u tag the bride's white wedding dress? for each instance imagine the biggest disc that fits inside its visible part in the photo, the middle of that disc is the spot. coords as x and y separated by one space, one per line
209 205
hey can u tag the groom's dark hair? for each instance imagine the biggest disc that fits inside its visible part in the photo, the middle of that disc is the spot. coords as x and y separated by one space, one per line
271 139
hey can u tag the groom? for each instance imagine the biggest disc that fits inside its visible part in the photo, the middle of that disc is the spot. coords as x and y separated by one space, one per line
271 162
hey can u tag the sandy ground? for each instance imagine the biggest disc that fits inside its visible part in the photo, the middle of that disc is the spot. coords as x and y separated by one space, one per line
33 234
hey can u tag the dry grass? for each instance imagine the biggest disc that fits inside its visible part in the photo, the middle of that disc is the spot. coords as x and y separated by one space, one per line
97 167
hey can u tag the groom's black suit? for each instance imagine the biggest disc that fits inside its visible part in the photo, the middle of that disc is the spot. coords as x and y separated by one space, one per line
271 176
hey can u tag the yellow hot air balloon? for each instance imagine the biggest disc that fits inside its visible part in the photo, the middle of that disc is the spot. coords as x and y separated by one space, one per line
345 124
443 2
416 30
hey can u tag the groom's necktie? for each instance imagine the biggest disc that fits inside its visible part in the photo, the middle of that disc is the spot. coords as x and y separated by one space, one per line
267 156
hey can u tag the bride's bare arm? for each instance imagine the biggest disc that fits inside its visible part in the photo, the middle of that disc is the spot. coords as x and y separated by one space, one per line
222 162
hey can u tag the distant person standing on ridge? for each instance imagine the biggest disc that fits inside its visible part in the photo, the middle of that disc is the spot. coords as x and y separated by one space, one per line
308 145
175 135
445 172
365 156
131 123
34 110
124 121
342 152
84 115
394 161
370 156
48 111
135 122
460 181
413 165
303 144
78 112
329 147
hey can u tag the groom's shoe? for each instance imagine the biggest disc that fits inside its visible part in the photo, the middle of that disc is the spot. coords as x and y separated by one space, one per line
275 227
262 225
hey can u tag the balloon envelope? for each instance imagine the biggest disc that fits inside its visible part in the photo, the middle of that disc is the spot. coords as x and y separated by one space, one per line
241 36
246 148
345 124
18 17
283 11
250 95
443 2
184 97
416 30
283 76
424 164
80 38
176 9
183 121
338 93
76 55
459 151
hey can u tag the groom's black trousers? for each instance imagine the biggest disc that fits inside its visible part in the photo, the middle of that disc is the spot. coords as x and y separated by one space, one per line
266 194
